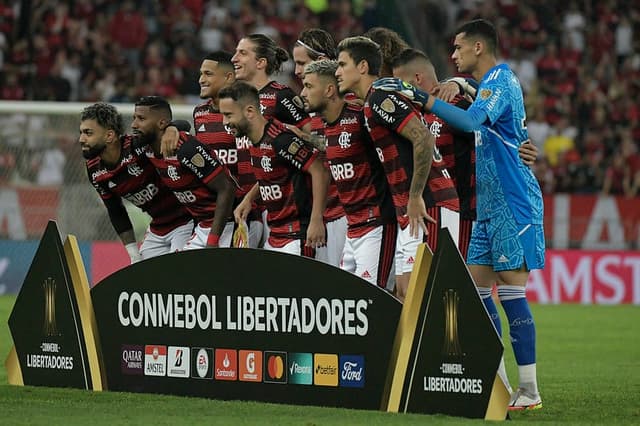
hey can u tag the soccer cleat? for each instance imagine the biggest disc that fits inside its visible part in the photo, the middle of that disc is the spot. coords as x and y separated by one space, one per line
522 400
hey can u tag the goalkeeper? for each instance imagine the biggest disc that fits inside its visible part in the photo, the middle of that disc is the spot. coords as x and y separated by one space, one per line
507 240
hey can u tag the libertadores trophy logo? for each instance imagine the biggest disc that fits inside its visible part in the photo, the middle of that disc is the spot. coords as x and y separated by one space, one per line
49 324
451 345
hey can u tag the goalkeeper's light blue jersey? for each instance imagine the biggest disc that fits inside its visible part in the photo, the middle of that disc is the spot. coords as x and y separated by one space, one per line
503 180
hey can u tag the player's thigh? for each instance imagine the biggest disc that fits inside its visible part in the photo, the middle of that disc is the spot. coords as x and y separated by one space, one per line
336 236
406 249
154 245
292 247
180 236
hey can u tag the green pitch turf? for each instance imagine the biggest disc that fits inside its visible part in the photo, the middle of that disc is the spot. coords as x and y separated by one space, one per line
588 369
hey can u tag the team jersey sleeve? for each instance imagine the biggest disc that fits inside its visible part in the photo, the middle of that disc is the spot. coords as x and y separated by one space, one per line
199 158
294 150
492 96
391 110
290 108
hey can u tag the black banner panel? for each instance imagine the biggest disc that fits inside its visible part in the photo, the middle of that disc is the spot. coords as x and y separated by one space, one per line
246 324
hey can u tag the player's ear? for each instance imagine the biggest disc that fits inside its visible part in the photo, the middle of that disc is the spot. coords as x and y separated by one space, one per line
363 67
111 136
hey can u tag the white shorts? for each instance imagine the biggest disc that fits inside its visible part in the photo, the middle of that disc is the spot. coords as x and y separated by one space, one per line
155 245
293 247
371 256
336 236
407 246
198 239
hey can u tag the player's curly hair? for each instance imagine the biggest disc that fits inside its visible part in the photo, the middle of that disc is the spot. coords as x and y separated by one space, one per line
107 116
266 47
391 44
318 43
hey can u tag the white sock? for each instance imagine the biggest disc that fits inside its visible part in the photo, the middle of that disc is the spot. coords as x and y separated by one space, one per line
502 372
528 381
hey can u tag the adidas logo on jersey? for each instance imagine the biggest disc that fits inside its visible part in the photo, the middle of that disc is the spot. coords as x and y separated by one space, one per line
111 184
366 274
503 259
202 128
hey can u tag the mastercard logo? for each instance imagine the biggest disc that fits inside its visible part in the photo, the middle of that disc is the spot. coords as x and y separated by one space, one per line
275 367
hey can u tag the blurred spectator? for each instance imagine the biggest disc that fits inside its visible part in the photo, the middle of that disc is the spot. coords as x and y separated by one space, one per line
560 140
128 29
617 179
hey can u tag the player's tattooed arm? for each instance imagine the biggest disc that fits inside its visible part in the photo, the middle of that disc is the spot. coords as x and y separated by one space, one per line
423 143
316 141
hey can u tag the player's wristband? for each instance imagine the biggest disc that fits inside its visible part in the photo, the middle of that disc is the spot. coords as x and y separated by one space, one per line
134 252
213 240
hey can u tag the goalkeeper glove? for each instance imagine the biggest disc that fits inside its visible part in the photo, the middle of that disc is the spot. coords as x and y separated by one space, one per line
391 84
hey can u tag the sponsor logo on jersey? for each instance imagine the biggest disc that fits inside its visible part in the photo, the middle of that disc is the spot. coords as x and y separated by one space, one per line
155 360
300 368
347 121
131 360
352 371
179 362
250 366
325 369
202 363
275 367
226 362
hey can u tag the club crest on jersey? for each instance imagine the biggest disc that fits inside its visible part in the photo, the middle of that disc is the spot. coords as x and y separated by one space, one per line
485 93
388 106
344 140
435 128
227 129
265 163
172 172
197 160
134 169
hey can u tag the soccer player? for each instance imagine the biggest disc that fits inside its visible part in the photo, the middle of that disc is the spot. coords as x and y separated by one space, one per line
216 71
283 164
256 59
358 174
195 175
314 44
403 142
508 238
455 147
118 173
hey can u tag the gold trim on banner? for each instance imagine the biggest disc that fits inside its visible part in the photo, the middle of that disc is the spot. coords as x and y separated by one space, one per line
14 372
87 315
403 342
498 402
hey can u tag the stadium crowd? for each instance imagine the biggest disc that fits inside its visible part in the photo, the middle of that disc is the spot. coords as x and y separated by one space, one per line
578 62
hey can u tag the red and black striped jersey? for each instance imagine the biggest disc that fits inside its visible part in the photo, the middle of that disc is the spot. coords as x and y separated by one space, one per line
458 151
385 116
187 174
358 173
231 151
333 210
135 179
280 102
280 161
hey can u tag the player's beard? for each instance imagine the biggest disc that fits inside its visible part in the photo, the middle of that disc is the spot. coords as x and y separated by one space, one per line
93 151
143 138
241 129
